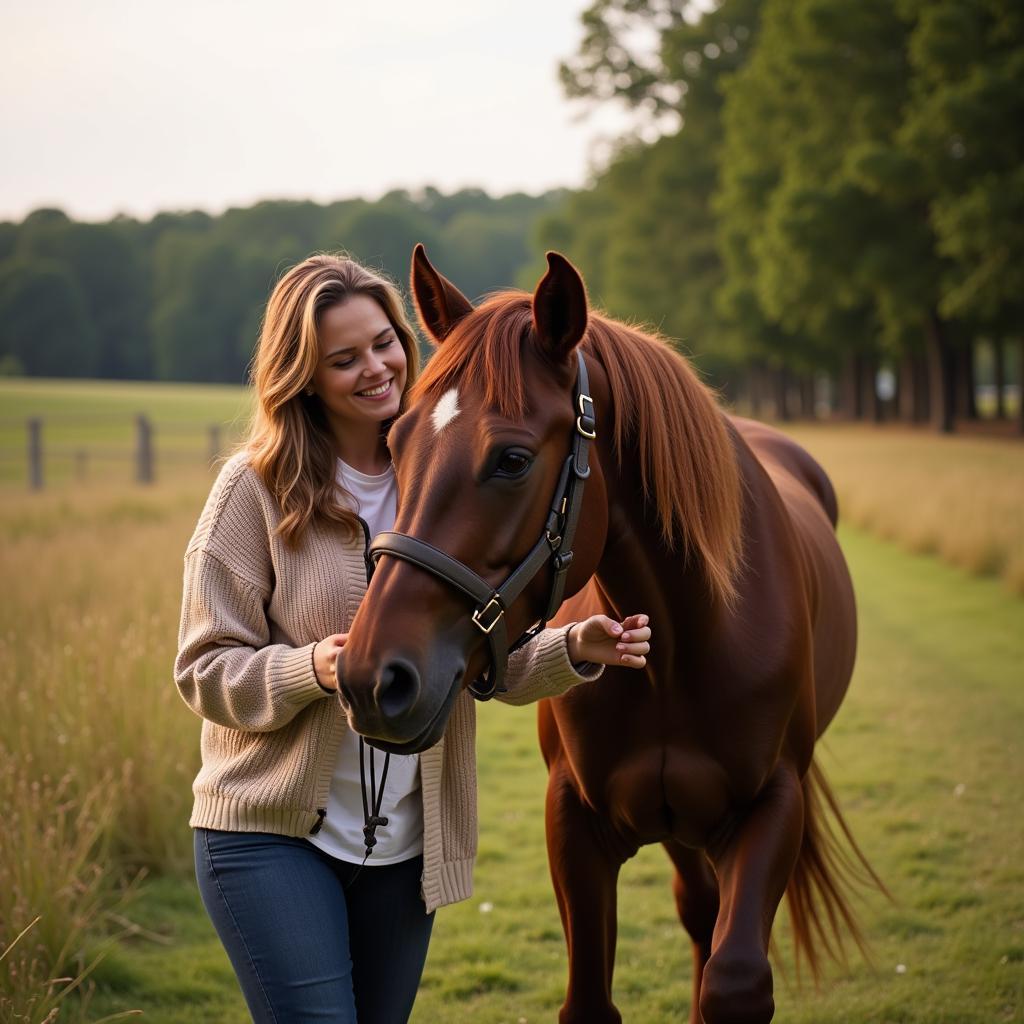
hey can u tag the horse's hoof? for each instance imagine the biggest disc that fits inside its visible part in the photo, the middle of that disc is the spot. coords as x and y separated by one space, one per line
737 990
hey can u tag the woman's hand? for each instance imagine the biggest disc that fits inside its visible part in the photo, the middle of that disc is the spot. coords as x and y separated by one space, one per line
325 659
604 641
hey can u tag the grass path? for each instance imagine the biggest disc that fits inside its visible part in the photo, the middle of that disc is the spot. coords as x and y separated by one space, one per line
926 758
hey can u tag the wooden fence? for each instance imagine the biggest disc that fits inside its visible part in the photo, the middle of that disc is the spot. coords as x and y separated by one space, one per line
139 445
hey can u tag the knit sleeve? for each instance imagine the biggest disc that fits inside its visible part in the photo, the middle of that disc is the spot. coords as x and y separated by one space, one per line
226 669
542 668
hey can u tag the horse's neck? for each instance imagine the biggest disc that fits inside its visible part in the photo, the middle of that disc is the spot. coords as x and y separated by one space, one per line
637 571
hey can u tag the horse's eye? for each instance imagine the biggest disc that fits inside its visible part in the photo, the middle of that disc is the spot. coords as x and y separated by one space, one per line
513 463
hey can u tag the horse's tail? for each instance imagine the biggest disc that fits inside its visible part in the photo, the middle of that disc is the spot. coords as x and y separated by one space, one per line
827 869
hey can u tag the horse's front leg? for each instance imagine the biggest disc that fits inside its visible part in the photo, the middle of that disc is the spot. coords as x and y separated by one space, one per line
584 873
696 893
753 864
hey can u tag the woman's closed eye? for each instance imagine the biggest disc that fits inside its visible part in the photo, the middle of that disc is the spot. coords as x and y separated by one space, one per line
347 361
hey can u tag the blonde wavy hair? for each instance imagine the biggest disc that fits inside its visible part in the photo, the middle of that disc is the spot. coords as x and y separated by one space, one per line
289 443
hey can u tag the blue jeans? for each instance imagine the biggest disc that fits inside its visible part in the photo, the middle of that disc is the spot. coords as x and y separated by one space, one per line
303 946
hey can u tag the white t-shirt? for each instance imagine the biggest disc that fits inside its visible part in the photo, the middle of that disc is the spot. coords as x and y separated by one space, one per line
341 834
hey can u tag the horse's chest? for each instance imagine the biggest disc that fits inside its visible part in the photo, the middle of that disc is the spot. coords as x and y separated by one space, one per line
656 770
648 789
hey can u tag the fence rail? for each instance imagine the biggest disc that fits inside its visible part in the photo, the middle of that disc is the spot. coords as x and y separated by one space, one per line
142 447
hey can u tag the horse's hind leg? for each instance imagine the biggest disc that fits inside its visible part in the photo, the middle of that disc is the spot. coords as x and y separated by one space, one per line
584 873
696 893
753 864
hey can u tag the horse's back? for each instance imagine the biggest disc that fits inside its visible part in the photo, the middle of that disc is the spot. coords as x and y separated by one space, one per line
783 458
810 502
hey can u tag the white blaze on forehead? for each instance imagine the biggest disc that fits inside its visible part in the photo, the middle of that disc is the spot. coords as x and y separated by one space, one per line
446 410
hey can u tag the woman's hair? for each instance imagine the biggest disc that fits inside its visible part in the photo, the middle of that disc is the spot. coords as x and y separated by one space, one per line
289 443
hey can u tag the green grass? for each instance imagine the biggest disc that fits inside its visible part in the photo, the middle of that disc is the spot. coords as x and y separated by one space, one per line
925 756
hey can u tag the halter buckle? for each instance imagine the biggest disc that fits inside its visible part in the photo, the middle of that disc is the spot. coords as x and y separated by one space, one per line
493 607
586 424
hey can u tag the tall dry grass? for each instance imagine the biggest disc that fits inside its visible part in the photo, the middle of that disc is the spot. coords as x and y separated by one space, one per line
97 749
960 498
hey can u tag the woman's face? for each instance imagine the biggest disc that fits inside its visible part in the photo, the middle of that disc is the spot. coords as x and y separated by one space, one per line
361 372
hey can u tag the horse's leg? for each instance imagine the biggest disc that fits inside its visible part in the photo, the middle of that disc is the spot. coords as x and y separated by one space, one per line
696 893
584 873
753 864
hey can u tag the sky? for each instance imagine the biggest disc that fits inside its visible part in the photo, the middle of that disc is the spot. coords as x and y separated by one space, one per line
133 106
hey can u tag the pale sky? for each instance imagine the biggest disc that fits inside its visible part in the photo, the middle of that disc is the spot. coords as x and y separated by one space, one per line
135 106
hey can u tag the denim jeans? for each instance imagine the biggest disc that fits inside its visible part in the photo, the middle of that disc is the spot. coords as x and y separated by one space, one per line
303 946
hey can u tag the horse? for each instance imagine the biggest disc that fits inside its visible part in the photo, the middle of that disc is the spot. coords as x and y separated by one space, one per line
721 529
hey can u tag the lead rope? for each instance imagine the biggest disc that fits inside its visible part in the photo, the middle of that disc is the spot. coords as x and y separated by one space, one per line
370 820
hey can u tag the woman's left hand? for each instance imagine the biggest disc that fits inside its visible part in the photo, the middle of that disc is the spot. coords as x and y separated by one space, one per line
603 641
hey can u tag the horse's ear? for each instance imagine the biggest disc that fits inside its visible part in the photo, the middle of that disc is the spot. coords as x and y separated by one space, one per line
560 308
439 303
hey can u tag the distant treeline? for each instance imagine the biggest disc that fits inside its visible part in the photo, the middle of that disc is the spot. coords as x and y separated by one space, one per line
180 297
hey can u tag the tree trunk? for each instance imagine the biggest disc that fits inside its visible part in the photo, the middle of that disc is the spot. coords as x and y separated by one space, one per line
870 403
906 390
941 375
1020 384
807 409
781 382
850 406
966 404
922 406
999 365
754 379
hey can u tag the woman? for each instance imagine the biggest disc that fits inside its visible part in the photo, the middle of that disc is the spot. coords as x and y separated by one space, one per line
320 875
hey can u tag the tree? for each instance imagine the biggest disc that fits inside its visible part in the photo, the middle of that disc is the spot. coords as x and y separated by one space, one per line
45 330
646 234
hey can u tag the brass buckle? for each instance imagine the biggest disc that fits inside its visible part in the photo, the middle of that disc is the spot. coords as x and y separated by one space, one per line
495 605
590 433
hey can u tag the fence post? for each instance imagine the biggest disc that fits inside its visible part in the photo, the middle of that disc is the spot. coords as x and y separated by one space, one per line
144 450
35 454
214 441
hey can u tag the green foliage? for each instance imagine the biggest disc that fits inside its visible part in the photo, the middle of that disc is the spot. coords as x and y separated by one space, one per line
45 328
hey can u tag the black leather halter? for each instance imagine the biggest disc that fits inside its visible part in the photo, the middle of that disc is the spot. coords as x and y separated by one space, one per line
554 545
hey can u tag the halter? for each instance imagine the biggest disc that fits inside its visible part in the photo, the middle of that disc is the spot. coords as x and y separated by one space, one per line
554 546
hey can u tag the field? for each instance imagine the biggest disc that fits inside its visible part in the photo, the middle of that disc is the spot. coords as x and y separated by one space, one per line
97 753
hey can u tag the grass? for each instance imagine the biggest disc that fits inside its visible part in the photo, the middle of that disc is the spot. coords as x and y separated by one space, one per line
956 497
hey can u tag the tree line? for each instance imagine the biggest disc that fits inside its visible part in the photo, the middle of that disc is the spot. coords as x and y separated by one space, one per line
844 189
180 297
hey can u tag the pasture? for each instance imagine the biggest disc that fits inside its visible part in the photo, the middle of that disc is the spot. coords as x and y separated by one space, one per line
97 753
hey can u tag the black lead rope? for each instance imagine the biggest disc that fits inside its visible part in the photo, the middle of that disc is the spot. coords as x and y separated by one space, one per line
370 820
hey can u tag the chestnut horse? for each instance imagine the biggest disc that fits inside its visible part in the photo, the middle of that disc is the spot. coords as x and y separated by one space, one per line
722 530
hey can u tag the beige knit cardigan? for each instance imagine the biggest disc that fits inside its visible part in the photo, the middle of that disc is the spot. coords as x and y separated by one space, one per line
252 611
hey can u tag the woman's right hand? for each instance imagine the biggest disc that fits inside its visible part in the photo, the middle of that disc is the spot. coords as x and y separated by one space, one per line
325 660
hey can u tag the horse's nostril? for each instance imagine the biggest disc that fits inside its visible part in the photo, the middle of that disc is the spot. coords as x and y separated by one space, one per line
345 694
398 689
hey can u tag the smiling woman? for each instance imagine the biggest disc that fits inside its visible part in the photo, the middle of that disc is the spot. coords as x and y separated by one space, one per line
320 861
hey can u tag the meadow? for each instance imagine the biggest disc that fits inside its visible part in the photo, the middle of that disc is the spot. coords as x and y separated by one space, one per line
97 754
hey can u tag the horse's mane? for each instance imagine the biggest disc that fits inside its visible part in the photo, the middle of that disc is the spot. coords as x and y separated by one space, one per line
662 411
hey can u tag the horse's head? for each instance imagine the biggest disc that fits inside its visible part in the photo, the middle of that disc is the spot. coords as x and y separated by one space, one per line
479 456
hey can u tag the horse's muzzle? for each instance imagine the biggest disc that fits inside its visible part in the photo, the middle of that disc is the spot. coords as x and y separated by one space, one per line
396 706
